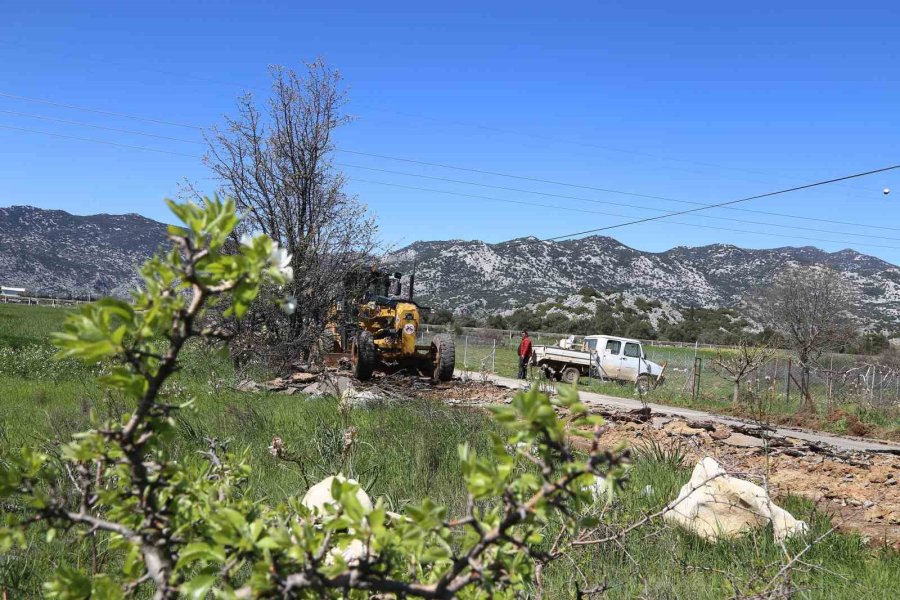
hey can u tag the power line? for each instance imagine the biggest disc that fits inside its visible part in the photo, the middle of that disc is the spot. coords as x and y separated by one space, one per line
84 124
730 202
554 207
157 150
595 212
98 111
82 139
468 169
610 191
595 201
590 145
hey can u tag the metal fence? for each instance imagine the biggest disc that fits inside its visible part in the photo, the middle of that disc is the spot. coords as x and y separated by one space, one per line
835 379
41 300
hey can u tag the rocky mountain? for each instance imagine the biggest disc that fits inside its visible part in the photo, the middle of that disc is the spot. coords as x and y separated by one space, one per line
51 251
55 253
475 277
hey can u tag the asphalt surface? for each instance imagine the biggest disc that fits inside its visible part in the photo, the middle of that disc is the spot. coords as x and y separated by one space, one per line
614 402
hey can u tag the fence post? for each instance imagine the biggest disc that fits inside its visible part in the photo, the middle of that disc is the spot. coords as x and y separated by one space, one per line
466 354
787 383
830 395
494 358
698 365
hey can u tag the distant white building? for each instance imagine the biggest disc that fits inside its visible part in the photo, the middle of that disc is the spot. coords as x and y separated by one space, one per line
11 291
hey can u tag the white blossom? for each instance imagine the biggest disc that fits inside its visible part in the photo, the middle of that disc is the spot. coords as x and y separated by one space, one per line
280 259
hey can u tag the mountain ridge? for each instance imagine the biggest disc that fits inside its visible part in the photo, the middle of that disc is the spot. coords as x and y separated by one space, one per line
476 277
55 252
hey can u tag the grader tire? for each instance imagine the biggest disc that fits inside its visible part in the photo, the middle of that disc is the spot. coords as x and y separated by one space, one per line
444 351
363 356
570 376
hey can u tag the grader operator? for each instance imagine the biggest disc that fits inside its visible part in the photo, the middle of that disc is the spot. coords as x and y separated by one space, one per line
380 330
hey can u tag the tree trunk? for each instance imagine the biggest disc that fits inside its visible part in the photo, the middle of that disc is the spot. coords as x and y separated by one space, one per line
736 394
808 405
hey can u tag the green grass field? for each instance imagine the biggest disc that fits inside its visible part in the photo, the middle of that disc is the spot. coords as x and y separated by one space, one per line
404 452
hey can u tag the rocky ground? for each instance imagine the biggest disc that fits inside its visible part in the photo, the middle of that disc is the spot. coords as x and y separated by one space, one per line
861 490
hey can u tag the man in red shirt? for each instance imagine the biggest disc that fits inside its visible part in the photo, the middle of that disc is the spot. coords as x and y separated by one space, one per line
524 354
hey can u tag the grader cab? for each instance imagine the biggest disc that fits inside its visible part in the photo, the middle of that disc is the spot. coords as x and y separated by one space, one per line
380 330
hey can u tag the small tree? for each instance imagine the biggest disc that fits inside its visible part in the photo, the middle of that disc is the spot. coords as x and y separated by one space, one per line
179 528
738 364
810 308
276 162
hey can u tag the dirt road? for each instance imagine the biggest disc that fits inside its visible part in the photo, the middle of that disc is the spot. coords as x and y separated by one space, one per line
615 403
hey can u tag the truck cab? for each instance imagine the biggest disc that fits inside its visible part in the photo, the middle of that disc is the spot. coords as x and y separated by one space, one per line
620 358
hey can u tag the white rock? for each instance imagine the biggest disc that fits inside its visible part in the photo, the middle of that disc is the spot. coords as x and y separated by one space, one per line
599 488
716 506
360 399
319 496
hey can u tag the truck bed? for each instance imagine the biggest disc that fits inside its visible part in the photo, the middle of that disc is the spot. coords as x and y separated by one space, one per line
566 355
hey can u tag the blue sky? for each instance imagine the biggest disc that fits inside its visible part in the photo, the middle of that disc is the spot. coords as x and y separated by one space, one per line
704 102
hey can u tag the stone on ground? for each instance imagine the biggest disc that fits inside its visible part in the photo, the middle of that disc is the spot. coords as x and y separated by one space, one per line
682 428
319 496
361 399
743 441
329 386
716 506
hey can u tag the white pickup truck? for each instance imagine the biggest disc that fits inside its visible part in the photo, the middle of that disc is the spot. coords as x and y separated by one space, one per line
602 356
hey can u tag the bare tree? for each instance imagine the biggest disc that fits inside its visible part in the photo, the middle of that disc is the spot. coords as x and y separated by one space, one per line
737 365
276 162
810 308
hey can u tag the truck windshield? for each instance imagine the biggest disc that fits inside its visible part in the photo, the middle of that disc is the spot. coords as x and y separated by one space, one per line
632 350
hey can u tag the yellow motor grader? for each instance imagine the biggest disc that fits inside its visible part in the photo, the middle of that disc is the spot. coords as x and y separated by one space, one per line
379 330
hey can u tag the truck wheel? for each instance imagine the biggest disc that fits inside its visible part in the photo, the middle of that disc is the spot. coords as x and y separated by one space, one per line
363 356
643 384
570 376
444 351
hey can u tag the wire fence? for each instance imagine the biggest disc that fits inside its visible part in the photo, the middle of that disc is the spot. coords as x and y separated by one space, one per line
691 372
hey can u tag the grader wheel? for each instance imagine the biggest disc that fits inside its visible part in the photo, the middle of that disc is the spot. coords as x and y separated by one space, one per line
362 356
444 351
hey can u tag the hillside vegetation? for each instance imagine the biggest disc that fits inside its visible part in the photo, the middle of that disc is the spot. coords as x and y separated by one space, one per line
590 312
